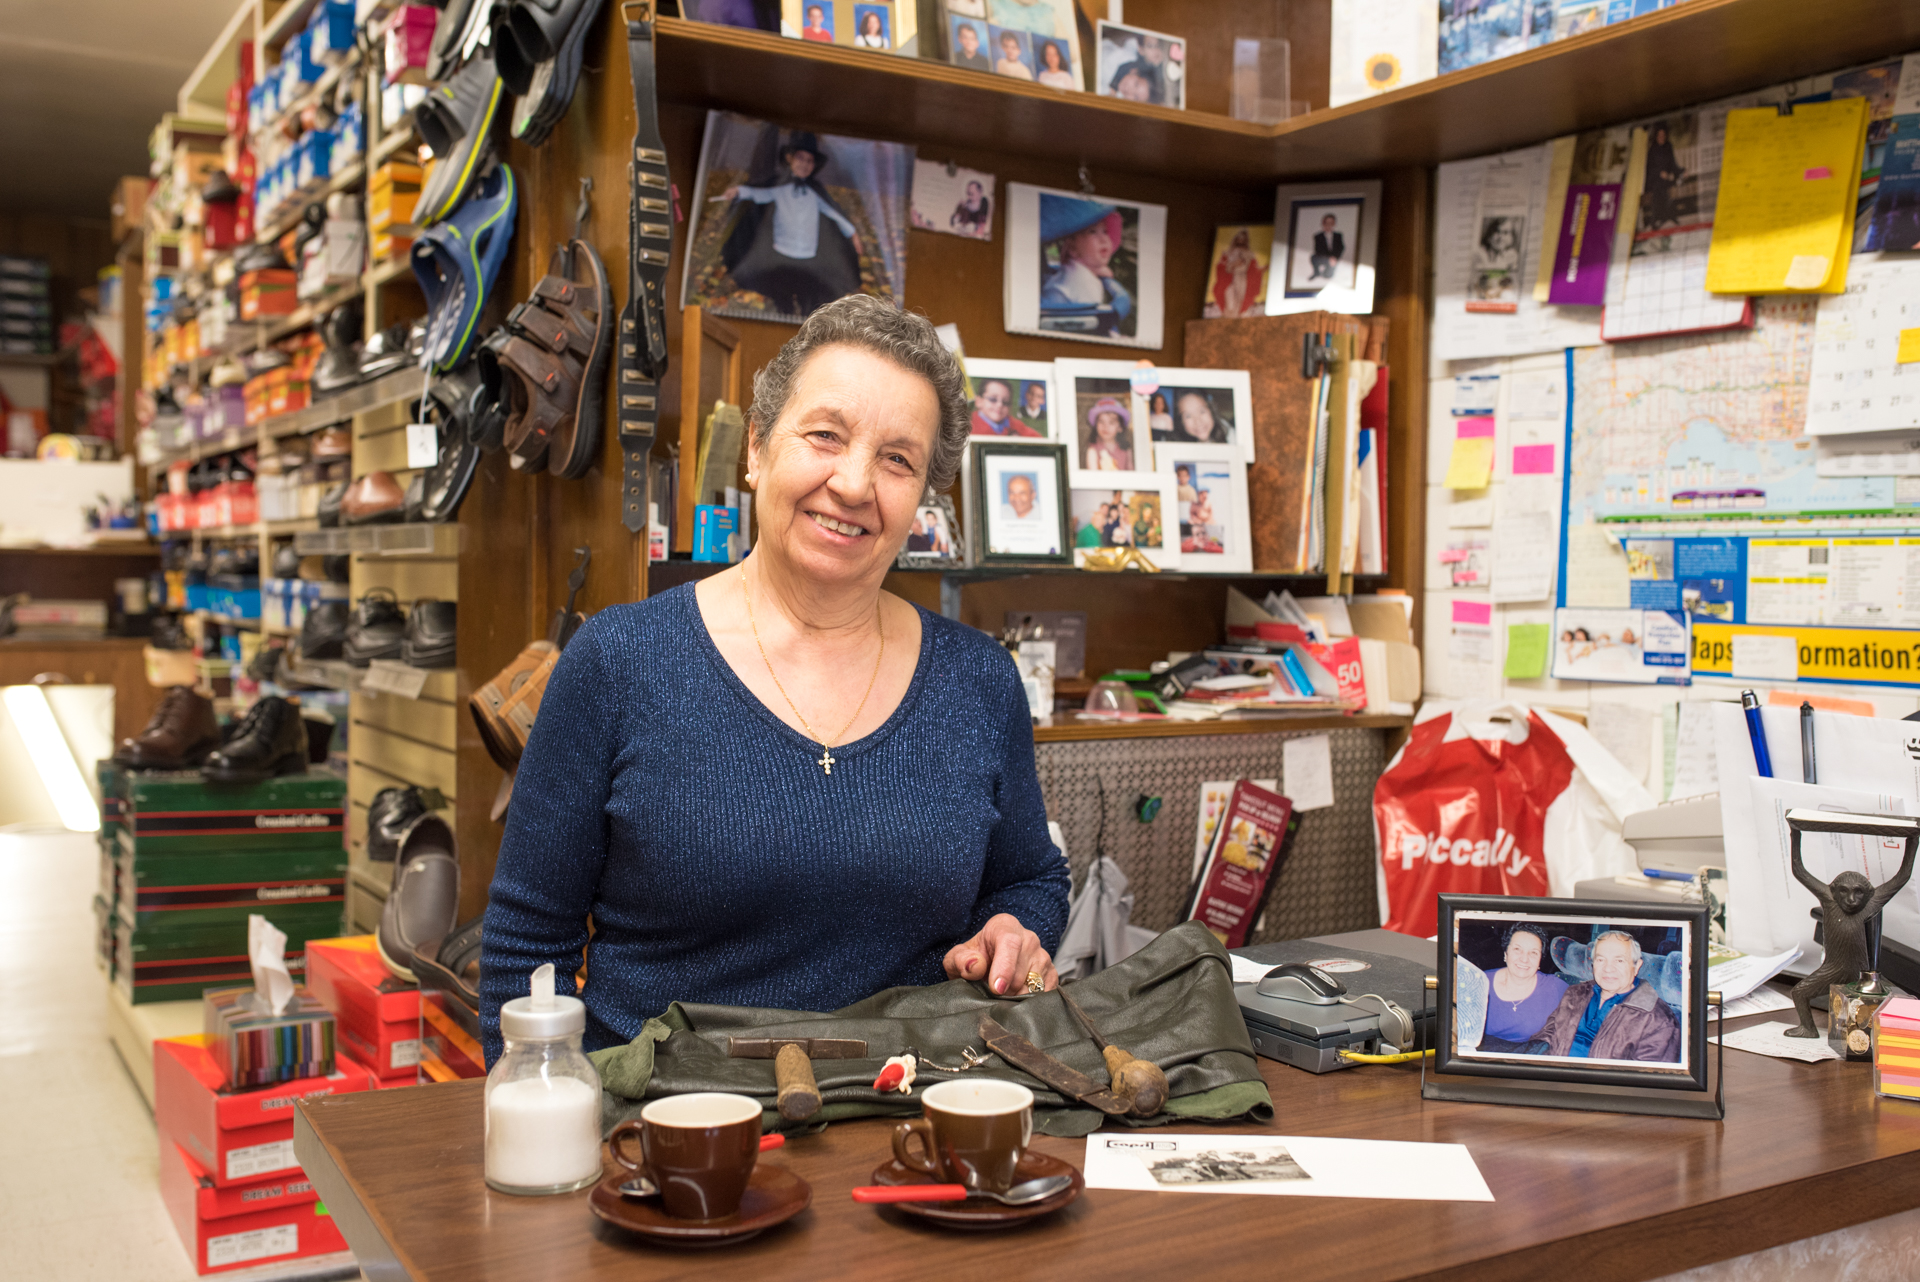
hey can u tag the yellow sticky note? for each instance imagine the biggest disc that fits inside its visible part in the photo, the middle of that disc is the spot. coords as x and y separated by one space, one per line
1909 347
1471 465
1783 220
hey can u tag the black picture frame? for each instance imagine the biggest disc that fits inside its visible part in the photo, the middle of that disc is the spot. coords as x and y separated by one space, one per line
952 560
1459 911
1049 460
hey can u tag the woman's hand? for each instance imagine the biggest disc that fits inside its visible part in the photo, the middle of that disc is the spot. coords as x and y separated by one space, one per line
1003 954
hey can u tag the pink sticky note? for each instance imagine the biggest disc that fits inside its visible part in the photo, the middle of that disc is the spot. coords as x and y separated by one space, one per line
1450 555
1821 172
1533 460
1475 612
1478 425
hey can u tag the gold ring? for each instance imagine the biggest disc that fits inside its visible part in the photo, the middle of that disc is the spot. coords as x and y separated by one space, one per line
1034 983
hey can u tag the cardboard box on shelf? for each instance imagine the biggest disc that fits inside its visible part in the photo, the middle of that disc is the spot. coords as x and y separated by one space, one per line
280 1218
378 1014
177 811
239 1137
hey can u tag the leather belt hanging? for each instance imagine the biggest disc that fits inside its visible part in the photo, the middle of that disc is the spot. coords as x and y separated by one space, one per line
642 359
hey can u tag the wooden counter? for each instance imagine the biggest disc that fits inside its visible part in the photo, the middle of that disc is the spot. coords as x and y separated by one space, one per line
1805 1149
119 662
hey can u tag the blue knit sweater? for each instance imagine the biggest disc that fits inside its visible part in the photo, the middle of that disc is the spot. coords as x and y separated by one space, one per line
721 864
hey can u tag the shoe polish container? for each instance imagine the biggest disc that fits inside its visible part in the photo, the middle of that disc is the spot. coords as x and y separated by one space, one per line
543 1097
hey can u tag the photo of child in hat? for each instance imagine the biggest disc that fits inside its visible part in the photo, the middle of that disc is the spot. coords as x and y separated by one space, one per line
790 220
1106 424
1088 267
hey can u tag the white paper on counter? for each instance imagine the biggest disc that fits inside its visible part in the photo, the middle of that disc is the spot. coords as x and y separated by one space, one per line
1760 1001
1741 975
1396 1169
1249 972
1772 1039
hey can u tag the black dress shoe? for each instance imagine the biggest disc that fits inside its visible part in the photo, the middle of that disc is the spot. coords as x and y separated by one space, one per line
329 513
324 634
270 740
428 640
339 366
375 630
425 898
452 965
389 816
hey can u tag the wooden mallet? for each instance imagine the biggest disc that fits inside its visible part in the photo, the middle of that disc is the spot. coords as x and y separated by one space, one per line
797 1094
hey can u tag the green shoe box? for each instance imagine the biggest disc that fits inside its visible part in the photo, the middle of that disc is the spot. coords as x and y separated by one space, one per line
169 812
162 891
177 961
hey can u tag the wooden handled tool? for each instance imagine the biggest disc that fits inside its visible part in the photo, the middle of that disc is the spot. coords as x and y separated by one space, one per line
1140 1082
797 1095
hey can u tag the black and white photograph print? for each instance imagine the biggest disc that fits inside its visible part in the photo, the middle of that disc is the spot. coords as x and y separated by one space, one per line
953 199
1090 268
1498 251
1324 239
788 220
1141 66
1225 1165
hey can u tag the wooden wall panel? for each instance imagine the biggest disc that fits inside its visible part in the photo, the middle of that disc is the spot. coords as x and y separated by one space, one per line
1405 292
409 578
1210 30
427 720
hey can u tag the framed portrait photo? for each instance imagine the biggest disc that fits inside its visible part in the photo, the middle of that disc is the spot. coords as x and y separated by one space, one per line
1324 239
1012 399
933 541
1141 65
1239 272
1124 509
1573 990
1198 407
1016 496
953 199
1209 506
1099 418
1087 268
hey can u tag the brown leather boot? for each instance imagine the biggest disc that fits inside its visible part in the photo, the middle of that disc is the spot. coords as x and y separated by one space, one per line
180 735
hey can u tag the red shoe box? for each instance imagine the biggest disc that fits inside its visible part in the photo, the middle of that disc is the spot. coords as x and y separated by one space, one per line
377 1015
241 1136
274 1219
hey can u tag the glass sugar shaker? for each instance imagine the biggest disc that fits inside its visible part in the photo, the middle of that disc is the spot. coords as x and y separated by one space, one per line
543 1097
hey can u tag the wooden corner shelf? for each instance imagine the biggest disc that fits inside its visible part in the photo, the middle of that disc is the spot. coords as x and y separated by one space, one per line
1697 51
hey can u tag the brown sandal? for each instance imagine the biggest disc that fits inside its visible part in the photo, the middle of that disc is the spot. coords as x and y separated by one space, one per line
522 706
555 349
489 702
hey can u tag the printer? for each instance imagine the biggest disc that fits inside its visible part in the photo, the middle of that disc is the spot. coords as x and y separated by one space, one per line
1678 837
1363 991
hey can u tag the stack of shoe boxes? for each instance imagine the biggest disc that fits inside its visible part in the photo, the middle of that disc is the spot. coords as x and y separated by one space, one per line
26 307
377 1015
196 858
106 917
227 1171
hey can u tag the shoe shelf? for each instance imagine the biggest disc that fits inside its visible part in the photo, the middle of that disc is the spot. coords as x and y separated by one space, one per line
297 525
397 137
382 676
227 620
417 539
297 203
389 389
383 273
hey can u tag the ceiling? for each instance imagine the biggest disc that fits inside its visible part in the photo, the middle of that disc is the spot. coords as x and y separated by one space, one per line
82 84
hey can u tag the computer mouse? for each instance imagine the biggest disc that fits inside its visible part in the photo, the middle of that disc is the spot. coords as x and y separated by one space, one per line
1302 982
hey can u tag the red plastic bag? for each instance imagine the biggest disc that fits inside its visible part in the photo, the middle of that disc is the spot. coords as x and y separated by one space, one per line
1492 799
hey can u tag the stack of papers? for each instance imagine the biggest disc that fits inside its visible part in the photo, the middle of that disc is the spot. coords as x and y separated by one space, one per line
1788 186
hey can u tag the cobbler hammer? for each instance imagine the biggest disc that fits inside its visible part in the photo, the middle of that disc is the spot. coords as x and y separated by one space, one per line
798 1095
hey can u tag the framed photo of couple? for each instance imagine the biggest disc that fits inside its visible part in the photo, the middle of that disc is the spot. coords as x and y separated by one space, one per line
1325 236
1015 499
1571 990
934 540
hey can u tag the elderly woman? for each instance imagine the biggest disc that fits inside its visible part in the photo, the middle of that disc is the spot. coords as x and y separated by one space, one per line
782 786
1520 997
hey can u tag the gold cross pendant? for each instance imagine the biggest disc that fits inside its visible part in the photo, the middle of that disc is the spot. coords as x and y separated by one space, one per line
826 758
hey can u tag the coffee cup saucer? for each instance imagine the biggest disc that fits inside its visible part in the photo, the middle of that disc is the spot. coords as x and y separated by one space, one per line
985 1213
774 1195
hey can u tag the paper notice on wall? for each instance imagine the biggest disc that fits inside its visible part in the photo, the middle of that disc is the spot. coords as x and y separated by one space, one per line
1523 554
1626 732
1766 658
1695 762
1596 570
1470 514
1307 770
1538 394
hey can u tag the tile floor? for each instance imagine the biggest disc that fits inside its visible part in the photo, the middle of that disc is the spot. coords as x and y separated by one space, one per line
79 1192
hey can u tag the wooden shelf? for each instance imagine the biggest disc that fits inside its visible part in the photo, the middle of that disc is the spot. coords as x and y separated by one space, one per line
1067 728
129 548
1700 50
671 573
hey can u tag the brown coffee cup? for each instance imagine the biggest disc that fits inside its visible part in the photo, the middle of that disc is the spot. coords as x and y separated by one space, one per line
973 1133
700 1150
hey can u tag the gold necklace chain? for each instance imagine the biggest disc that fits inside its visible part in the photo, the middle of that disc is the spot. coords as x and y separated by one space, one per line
826 749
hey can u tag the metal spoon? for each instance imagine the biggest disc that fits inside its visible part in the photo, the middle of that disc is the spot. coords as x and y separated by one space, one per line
1023 1194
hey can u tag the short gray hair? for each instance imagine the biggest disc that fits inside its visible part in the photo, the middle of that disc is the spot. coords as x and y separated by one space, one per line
1617 934
886 329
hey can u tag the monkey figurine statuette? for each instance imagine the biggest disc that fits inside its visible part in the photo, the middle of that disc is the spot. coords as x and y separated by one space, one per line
1847 904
